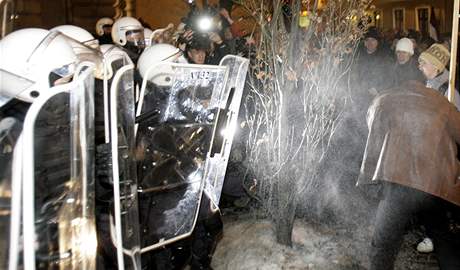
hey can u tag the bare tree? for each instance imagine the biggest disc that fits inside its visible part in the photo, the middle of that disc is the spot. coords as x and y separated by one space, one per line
298 90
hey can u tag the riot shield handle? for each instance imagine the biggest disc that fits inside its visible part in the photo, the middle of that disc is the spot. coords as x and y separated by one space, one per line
152 114
223 118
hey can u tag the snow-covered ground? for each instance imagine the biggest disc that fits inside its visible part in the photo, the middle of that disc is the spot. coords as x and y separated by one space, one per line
249 243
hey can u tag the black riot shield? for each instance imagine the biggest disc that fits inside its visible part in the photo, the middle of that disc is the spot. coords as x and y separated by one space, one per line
125 216
58 177
175 118
10 193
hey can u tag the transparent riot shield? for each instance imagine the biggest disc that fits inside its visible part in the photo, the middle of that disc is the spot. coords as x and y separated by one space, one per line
58 177
125 215
224 129
10 193
175 118
114 59
82 170
7 17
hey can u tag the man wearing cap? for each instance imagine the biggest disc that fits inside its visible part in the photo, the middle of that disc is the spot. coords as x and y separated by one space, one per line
406 67
372 65
369 74
432 63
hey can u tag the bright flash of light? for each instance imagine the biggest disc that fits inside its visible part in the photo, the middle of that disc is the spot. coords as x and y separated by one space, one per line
205 23
228 132
86 242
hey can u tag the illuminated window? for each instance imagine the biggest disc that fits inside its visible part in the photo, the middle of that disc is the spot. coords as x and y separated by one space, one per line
422 20
398 19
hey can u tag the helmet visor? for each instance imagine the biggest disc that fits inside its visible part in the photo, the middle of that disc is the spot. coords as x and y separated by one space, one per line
64 71
93 43
62 75
86 52
13 86
107 28
136 37
4 100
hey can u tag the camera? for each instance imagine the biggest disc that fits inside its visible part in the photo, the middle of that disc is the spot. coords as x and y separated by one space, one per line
202 21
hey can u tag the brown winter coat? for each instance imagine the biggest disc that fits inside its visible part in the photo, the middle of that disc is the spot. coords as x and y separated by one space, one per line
413 131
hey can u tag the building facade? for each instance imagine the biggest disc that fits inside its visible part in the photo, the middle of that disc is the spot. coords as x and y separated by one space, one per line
413 14
50 13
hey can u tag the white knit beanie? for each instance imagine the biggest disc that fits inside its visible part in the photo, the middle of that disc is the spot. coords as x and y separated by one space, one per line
405 45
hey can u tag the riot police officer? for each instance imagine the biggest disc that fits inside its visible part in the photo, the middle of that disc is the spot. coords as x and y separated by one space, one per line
128 33
173 134
34 61
104 30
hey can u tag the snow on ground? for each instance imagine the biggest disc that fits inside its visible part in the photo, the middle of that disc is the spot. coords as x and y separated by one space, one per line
249 243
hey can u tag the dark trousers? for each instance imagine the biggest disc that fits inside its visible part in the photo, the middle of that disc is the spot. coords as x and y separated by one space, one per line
399 205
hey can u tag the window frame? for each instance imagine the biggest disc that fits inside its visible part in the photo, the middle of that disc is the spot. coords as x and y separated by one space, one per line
403 17
417 8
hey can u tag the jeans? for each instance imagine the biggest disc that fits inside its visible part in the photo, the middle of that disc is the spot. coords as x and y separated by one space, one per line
399 205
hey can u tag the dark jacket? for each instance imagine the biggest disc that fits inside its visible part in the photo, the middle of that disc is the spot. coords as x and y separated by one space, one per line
413 131
406 72
372 70
218 53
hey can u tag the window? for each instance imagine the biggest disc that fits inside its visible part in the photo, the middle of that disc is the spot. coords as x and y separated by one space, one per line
422 20
398 19
377 18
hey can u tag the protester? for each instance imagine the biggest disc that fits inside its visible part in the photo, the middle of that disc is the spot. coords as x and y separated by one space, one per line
432 63
411 150
406 66
372 65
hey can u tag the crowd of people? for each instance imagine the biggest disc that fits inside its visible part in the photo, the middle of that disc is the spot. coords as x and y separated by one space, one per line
382 63
204 37
404 121
412 139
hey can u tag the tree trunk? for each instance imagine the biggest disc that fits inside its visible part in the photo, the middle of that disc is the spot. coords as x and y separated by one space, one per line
284 224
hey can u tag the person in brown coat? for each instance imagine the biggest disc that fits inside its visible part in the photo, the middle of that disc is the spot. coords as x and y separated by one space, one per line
411 149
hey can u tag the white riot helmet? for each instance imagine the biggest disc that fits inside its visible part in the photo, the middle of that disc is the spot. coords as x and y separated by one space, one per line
112 54
84 45
32 60
79 34
158 53
128 29
148 37
101 23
